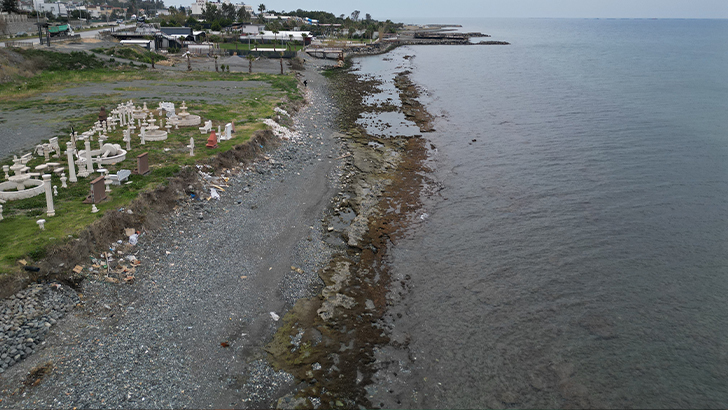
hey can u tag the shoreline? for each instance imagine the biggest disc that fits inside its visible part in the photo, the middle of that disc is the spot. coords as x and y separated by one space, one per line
342 240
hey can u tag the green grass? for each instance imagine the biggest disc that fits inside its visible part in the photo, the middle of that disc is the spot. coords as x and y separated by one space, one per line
20 236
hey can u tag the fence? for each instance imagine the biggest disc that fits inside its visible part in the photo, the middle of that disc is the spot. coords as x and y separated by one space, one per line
19 44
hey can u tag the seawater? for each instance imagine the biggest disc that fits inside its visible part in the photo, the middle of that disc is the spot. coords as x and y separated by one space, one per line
576 254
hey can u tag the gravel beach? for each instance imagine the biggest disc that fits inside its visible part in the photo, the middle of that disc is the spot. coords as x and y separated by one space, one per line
210 289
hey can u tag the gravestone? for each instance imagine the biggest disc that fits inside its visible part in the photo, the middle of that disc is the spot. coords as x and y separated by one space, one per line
98 191
142 164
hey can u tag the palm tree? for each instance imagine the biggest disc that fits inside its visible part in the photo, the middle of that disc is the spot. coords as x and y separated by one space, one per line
250 58
275 37
261 9
290 40
281 62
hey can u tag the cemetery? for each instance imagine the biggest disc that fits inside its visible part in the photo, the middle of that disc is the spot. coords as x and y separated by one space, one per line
47 196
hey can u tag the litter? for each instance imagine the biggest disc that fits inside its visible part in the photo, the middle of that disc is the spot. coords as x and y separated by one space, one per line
214 194
133 239
274 316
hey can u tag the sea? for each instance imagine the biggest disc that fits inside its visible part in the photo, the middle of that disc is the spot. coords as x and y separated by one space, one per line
572 249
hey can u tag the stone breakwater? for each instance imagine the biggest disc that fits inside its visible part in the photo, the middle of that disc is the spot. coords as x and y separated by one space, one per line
26 317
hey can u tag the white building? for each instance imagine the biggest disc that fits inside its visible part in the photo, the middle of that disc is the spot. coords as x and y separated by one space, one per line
199 5
57 9
281 35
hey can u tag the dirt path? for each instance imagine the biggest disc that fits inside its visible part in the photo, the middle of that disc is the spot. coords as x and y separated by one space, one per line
189 332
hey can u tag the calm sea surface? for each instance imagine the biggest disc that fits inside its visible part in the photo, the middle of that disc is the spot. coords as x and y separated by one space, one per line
577 254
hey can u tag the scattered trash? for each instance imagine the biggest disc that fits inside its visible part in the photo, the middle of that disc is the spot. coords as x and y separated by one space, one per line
243 277
111 280
131 258
214 194
31 268
23 262
225 344
78 269
274 316
129 231
133 239
295 269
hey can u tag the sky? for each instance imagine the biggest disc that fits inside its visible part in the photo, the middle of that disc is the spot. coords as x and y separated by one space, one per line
399 10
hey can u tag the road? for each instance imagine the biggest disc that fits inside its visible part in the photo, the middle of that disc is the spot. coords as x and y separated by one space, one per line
84 34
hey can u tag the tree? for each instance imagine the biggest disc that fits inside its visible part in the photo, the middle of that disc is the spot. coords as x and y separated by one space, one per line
228 11
10 6
261 9
211 13
275 37
243 15
368 17
250 58
281 62
355 15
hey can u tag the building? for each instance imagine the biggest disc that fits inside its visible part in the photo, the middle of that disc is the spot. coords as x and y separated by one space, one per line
281 36
198 6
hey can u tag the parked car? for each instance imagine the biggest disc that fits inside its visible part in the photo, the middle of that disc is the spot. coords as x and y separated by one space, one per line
119 21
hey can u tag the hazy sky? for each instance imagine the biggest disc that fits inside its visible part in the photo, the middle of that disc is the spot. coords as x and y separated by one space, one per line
384 9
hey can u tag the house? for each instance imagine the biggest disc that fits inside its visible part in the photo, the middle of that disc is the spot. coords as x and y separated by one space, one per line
251 29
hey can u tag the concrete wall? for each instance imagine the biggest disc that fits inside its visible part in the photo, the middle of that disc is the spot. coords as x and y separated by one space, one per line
16 23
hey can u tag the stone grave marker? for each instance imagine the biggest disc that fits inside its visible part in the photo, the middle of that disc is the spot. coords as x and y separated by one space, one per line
142 164
98 191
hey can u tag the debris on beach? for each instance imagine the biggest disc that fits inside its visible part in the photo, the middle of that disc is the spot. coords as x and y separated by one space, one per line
281 131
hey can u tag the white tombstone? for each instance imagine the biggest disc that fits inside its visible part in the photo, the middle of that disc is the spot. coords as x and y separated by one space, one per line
63 181
49 196
94 209
207 128
41 224
55 190
142 136
89 161
127 138
71 166
228 131
218 131
1 212
120 176
107 182
192 147
55 147
6 168
102 139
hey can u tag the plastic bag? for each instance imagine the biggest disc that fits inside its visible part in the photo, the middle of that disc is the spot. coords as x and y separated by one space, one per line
133 239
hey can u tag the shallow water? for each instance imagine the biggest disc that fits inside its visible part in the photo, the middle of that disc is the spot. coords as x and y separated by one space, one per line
577 253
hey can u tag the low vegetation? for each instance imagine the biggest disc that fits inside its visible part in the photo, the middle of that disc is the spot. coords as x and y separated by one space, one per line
131 52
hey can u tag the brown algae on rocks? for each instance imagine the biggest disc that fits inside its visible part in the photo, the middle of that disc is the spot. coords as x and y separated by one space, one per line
328 342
